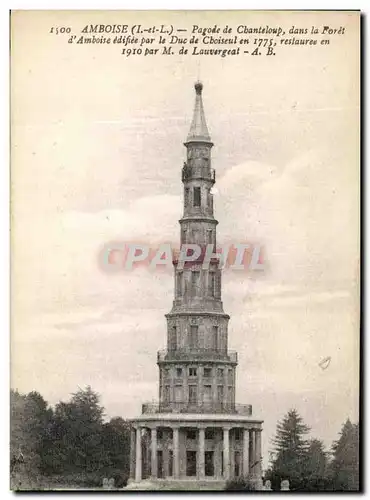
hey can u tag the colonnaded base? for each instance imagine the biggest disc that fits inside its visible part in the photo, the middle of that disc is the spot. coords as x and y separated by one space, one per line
193 451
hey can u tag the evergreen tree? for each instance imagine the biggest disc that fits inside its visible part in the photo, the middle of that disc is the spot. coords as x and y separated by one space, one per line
315 468
345 464
316 462
290 450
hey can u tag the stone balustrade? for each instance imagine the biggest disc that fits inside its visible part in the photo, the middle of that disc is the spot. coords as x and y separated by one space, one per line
186 407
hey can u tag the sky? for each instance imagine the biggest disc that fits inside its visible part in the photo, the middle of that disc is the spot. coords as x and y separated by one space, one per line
97 152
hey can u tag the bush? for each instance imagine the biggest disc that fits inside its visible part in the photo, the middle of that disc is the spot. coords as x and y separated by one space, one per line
315 484
120 480
239 484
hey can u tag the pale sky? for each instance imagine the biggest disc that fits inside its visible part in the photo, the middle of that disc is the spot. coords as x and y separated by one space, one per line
97 152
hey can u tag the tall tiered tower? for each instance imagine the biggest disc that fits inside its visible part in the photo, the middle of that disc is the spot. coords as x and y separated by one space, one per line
196 431
197 370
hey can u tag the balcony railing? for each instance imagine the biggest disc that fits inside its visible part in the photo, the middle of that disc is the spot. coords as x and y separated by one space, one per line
197 355
185 407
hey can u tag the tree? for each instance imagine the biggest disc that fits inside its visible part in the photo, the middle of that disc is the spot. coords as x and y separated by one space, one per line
316 463
71 443
290 450
17 436
37 419
30 420
315 468
77 434
116 442
345 464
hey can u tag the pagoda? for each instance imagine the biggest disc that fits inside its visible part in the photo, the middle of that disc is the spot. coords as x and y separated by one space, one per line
196 431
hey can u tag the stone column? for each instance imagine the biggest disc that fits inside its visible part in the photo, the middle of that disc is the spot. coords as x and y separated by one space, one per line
186 386
245 452
226 453
176 460
226 388
232 453
251 452
132 454
201 471
200 386
214 384
153 442
258 452
138 455
218 452
172 385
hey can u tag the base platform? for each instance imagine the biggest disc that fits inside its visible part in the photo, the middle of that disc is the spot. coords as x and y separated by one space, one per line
177 485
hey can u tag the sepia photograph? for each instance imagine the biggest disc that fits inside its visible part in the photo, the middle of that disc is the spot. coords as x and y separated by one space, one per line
185 250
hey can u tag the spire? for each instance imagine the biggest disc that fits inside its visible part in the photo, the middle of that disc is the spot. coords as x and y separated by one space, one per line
198 128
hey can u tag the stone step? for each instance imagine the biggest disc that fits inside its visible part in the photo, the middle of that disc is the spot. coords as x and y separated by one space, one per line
178 485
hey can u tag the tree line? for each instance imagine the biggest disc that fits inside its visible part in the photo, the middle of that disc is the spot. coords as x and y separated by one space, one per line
71 445
68 445
306 464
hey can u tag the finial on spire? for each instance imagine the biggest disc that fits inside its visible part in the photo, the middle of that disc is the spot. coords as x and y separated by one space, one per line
198 71
198 128
198 87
